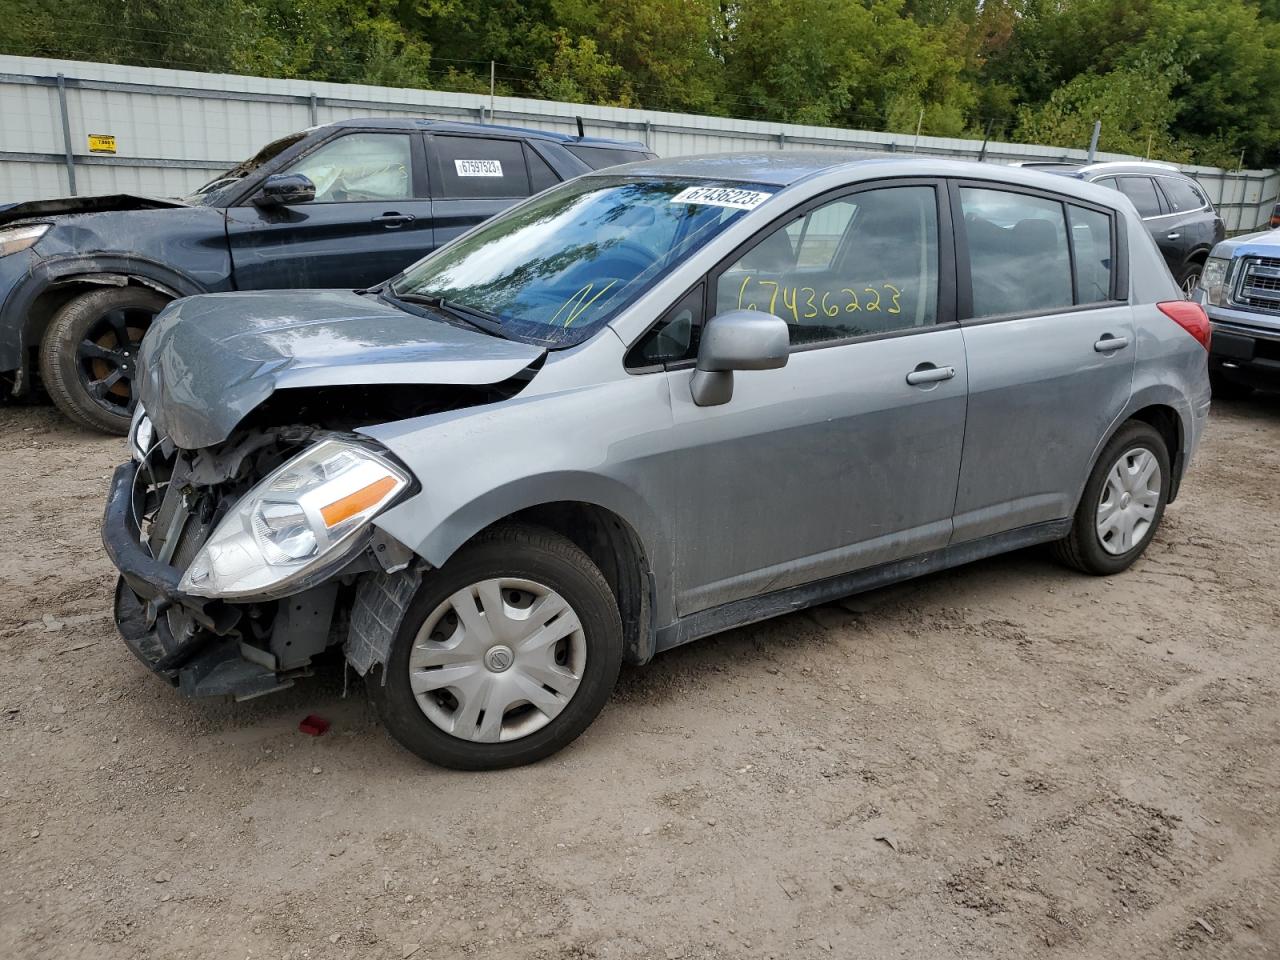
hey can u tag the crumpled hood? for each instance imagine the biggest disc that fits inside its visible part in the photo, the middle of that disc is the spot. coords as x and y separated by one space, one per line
208 361
44 209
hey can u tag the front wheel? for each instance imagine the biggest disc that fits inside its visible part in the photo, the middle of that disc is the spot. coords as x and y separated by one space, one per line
503 656
89 354
1122 505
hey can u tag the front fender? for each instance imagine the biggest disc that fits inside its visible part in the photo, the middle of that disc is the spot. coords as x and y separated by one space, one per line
601 445
22 327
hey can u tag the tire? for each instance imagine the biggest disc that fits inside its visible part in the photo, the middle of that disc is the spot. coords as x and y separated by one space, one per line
1190 278
518 556
88 354
1227 389
1084 548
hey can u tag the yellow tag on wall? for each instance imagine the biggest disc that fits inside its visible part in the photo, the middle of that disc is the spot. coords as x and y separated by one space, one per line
102 143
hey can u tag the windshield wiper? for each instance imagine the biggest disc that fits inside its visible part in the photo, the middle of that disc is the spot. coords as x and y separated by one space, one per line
459 310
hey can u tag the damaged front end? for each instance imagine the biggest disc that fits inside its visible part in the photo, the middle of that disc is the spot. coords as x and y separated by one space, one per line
239 562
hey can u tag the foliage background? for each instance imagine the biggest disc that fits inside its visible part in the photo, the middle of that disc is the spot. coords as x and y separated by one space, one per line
1185 80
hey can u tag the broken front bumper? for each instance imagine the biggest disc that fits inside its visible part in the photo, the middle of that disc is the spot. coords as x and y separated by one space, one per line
191 641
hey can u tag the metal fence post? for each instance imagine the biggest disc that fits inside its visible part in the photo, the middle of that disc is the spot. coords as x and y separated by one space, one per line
66 134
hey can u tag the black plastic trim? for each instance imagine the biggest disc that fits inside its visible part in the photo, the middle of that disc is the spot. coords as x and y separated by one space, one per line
753 609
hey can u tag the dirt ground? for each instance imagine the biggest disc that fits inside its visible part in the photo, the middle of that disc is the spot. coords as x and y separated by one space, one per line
1006 760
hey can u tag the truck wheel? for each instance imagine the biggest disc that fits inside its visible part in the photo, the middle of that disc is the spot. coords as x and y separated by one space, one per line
1225 388
1122 503
503 656
88 355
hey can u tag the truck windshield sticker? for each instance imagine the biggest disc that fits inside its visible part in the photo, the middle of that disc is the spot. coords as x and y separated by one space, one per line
722 197
478 168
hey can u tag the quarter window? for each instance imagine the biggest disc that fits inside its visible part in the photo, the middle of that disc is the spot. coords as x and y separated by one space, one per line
360 166
480 168
1142 191
1019 261
864 264
1182 195
541 176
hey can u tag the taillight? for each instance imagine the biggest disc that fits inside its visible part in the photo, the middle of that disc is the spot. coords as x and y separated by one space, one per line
1190 317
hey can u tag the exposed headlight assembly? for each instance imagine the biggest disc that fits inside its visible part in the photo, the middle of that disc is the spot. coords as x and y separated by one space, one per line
13 239
1213 280
296 524
141 434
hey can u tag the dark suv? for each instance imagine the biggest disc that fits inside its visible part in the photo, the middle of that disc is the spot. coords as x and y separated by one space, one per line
344 205
1173 208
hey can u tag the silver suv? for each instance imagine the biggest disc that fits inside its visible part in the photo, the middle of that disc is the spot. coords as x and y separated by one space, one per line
639 408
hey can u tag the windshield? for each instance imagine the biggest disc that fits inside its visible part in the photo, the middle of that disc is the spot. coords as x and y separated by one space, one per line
210 193
555 269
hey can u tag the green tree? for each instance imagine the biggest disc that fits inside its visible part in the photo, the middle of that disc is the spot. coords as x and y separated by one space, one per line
579 73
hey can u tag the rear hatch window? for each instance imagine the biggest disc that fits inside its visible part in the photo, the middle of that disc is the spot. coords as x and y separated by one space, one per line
599 157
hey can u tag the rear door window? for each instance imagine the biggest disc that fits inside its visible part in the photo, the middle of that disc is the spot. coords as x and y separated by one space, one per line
598 158
479 168
1091 243
1142 191
1019 260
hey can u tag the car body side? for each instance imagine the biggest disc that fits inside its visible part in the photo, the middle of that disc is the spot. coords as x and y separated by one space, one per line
620 458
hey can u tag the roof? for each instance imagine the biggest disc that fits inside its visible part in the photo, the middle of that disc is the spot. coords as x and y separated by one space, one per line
449 126
784 168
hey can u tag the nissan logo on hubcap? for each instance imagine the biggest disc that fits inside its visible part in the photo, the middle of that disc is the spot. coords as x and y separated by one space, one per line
499 658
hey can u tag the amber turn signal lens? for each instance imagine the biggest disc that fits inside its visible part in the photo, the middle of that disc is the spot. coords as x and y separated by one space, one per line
354 503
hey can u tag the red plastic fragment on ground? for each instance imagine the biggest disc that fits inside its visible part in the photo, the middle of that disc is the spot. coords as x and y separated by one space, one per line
313 726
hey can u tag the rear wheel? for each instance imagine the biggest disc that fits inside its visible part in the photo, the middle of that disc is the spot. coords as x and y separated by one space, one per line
1190 279
88 355
503 656
1122 505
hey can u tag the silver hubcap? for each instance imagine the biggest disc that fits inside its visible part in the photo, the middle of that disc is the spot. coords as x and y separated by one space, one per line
497 660
1129 499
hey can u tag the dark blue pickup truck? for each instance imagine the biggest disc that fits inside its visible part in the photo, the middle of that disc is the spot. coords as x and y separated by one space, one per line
344 205
1240 290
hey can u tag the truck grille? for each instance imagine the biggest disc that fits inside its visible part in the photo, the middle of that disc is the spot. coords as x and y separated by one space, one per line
1258 287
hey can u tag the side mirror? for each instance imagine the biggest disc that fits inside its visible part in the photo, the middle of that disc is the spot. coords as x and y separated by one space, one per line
736 340
283 189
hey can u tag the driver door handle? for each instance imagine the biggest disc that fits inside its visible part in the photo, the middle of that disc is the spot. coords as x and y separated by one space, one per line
1173 236
1109 344
392 220
928 373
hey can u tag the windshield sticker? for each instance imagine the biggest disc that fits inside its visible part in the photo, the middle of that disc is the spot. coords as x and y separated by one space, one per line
478 168
722 197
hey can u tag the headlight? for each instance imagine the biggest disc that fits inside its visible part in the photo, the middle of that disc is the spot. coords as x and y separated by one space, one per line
14 239
1213 280
295 524
141 434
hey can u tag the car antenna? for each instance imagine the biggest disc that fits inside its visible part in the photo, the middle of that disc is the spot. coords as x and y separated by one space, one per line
580 133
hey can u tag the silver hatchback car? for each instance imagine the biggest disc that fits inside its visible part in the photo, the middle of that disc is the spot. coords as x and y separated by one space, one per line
637 409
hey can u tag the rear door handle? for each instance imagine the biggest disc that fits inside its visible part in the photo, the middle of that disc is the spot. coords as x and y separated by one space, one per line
1173 236
1109 344
393 220
928 373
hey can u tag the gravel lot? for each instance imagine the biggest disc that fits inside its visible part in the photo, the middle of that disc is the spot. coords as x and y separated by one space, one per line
1007 760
